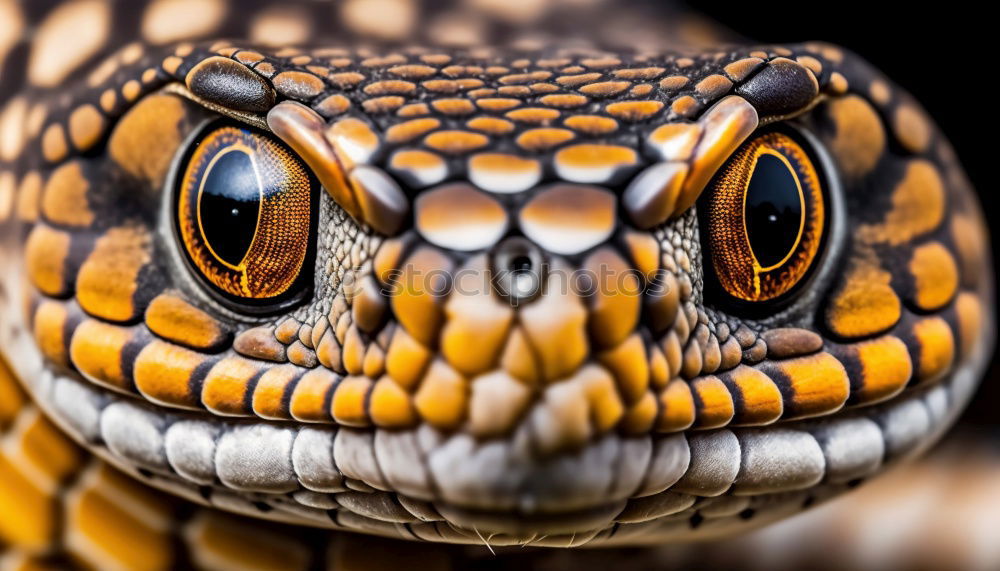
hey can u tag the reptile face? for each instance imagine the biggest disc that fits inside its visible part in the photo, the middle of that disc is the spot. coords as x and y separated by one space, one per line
565 296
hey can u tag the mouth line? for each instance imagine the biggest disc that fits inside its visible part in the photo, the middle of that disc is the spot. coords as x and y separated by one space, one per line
413 483
770 392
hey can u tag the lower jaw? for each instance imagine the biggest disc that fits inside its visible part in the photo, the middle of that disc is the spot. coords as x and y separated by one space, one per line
423 485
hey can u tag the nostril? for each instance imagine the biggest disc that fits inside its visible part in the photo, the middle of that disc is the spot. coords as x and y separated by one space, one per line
521 264
518 270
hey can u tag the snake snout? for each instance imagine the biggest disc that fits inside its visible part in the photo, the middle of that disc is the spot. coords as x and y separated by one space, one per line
566 327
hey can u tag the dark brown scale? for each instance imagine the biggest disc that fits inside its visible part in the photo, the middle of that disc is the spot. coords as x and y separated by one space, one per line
226 82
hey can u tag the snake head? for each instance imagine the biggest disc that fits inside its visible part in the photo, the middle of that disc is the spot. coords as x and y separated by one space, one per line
559 297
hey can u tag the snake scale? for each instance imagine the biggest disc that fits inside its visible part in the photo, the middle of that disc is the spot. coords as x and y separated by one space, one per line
534 272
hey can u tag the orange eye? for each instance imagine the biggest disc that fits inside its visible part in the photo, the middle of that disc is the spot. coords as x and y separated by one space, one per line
245 213
764 218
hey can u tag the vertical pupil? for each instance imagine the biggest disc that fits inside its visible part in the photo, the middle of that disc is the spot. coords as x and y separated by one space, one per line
773 210
229 205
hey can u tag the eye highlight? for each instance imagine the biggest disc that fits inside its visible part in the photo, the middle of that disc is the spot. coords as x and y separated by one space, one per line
764 218
244 213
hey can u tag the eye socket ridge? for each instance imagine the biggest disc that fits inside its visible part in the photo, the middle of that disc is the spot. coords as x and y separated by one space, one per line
245 214
764 218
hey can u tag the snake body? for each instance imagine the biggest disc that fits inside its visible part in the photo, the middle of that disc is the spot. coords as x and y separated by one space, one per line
159 403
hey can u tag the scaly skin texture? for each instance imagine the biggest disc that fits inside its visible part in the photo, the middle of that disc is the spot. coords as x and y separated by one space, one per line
367 404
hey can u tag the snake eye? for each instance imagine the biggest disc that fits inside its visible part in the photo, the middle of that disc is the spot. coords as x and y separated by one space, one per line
763 218
245 214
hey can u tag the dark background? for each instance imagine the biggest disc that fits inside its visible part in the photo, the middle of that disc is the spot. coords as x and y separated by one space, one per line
947 57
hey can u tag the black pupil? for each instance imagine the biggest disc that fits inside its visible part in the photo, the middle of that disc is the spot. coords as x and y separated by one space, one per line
773 210
230 204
